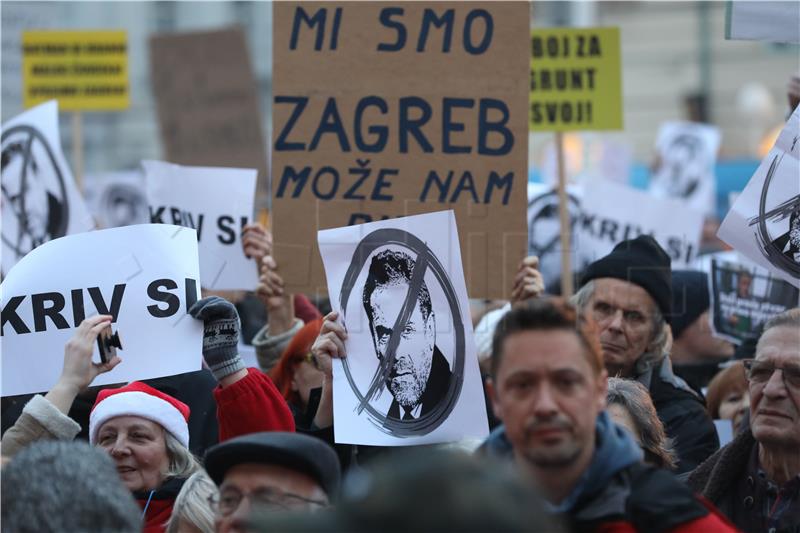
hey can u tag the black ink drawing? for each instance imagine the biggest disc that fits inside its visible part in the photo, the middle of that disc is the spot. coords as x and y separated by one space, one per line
33 190
683 165
783 252
544 231
411 366
123 204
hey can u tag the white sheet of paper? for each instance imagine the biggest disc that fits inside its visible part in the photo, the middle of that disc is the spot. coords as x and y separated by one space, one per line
688 153
764 20
611 213
116 198
770 234
451 405
218 203
134 258
40 200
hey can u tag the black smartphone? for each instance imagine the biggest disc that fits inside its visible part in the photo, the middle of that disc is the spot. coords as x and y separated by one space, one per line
107 344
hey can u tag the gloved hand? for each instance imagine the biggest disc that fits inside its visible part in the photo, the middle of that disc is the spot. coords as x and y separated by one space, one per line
220 335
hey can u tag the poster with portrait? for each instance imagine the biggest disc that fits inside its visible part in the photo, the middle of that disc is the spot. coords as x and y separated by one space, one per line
764 222
544 226
687 153
411 373
40 200
116 198
217 203
744 296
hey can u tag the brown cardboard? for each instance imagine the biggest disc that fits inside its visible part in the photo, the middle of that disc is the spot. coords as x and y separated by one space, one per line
349 67
206 97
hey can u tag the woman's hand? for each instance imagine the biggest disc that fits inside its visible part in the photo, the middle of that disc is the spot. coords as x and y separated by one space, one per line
79 371
329 343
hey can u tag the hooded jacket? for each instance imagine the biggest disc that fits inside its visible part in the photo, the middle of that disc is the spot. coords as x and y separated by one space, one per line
617 492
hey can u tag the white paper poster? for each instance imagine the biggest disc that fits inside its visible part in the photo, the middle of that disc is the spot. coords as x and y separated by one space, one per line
40 200
218 203
764 223
687 154
116 198
764 20
544 226
145 276
611 213
411 372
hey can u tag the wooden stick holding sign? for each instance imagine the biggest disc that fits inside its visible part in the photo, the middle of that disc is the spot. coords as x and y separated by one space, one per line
563 218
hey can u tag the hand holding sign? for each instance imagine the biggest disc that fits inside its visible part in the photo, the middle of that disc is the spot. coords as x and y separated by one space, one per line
220 338
528 283
79 369
256 242
329 343
280 306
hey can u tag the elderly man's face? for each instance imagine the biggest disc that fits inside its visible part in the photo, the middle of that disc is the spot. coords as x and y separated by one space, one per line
412 363
267 486
774 406
624 315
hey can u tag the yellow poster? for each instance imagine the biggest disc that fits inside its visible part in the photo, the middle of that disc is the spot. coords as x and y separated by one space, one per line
575 79
83 70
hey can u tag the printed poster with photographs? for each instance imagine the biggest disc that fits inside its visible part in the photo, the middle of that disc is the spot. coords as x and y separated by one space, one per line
764 222
744 296
687 153
411 373
40 200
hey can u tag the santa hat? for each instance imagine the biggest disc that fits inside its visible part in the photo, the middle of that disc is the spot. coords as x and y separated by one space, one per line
138 399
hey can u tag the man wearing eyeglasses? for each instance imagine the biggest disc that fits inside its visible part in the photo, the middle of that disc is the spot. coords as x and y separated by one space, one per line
755 480
628 293
271 471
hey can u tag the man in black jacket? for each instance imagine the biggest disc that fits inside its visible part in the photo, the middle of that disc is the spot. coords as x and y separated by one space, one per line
629 295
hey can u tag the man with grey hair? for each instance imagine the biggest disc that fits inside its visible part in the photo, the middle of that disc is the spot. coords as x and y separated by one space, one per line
755 479
628 293
54 486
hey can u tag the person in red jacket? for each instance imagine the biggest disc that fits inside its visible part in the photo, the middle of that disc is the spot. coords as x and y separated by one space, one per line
549 389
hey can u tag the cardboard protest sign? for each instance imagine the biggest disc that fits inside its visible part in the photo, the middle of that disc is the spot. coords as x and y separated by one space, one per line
40 200
411 373
744 297
764 222
385 110
687 153
544 226
763 20
83 70
611 213
144 276
218 204
576 79
207 101
116 198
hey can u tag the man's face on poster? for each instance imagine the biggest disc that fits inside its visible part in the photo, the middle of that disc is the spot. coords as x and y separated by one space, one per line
412 364
28 195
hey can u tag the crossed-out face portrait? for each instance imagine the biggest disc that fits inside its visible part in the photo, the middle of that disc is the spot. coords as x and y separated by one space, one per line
402 324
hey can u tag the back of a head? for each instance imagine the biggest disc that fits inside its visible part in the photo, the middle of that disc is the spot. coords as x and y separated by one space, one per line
428 490
65 486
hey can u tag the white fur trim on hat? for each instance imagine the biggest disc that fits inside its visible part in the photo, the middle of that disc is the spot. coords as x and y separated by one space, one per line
141 404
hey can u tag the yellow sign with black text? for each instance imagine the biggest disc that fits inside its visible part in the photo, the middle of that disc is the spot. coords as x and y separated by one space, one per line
575 79
83 70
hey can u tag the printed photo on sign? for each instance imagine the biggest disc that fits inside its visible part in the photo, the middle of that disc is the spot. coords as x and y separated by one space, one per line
218 204
764 223
744 297
144 276
411 374
116 198
611 213
40 200
687 153
544 227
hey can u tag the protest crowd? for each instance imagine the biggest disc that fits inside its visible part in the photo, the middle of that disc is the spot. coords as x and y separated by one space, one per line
634 391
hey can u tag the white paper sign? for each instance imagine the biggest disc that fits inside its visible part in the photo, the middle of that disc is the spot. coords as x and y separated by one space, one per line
687 152
764 223
218 203
611 213
544 226
116 198
764 20
146 276
40 201
411 373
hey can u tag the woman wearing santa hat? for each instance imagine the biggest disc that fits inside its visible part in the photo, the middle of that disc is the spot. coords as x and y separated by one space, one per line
144 430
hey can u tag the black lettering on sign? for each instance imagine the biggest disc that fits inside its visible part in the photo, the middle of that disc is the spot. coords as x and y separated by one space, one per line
9 314
158 291
318 21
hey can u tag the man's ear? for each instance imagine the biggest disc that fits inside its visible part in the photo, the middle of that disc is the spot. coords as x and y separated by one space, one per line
602 389
491 392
